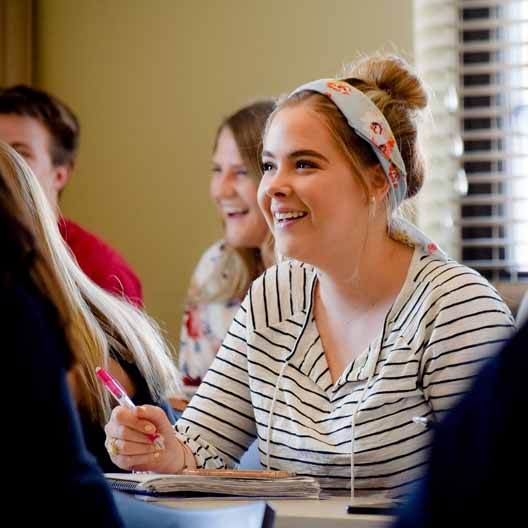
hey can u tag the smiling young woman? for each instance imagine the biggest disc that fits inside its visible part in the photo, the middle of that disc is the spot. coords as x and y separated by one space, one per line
225 271
367 326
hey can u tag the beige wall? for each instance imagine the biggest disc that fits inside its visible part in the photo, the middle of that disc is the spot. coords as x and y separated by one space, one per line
150 80
15 41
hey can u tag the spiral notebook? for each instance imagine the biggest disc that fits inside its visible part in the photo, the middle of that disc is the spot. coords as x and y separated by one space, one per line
266 484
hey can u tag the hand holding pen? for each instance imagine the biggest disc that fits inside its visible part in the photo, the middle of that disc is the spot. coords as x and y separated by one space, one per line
118 392
141 438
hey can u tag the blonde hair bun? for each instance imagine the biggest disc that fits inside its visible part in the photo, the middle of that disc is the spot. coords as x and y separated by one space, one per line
392 85
393 77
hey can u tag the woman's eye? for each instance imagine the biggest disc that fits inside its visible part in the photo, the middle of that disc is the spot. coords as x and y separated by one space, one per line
24 154
303 164
242 172
266 166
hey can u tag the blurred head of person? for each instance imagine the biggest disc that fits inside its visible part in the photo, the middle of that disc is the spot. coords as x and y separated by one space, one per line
45 132
236 173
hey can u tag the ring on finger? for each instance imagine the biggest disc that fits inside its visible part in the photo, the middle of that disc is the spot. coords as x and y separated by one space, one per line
112 447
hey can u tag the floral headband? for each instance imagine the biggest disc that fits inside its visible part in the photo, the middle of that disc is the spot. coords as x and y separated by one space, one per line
364 117
367 121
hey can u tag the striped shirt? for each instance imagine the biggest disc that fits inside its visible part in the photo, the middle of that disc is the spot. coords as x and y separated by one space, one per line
444 323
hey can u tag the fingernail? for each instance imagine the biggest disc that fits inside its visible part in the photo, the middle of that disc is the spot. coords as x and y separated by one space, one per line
159 443
149 428
156 455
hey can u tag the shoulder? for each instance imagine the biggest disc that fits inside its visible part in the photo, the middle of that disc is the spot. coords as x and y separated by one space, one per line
72 232
103 264
81 240
280 293
210 258
22 306
212 280
449 281
449 298
21 302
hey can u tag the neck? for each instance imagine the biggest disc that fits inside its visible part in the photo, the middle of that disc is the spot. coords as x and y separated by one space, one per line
375 275
267 255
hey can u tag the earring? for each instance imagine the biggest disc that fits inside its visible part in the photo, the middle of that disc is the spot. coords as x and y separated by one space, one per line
372 207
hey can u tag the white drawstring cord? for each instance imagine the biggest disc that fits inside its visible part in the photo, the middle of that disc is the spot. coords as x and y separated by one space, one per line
282 370
352 433
353 421
275 392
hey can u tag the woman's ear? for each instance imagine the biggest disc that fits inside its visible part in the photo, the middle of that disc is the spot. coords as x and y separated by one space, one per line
379 185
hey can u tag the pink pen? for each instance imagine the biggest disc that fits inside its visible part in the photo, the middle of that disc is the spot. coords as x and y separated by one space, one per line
118 392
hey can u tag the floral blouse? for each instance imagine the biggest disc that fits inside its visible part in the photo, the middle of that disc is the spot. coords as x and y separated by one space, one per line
204 325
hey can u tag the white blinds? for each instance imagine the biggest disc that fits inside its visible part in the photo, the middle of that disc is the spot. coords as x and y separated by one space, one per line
436 40
474 56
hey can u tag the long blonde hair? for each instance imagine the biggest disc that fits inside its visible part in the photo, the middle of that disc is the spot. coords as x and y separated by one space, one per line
236 268
93 320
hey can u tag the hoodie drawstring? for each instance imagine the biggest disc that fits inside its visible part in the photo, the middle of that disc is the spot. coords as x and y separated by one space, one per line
352 434
356 410
272 408
283 369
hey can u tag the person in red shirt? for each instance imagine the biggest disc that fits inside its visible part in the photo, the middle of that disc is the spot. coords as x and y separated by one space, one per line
45 132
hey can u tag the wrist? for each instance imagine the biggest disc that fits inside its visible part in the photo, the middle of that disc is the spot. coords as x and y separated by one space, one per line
189 461
184 459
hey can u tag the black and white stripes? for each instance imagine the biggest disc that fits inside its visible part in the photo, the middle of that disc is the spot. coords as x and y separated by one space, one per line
446 320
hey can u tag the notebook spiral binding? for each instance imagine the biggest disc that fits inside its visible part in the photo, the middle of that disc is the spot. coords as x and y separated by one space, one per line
127 487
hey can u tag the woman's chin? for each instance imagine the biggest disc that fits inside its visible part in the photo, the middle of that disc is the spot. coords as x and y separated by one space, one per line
240 239
237 241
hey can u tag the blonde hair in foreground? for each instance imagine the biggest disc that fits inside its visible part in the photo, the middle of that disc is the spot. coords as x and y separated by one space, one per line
93 320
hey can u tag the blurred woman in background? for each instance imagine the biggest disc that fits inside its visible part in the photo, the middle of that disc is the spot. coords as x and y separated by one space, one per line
225 271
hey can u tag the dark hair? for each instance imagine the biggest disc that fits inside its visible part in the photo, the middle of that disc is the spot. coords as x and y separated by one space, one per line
61 123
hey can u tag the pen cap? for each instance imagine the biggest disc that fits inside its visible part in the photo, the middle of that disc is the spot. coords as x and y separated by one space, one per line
110 382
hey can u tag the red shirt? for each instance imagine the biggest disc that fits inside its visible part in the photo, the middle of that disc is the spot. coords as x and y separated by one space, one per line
101 263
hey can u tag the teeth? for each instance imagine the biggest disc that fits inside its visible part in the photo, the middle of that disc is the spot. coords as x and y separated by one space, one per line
234 210
287 216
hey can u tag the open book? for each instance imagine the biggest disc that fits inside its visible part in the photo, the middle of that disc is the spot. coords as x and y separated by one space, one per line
215 483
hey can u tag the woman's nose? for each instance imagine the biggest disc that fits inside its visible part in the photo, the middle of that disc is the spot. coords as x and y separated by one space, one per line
223 184
277 185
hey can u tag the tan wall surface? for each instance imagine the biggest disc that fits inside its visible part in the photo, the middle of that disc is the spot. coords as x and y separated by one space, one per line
15 41
150 80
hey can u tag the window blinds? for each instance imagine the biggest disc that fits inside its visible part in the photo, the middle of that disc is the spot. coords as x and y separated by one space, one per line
473 54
